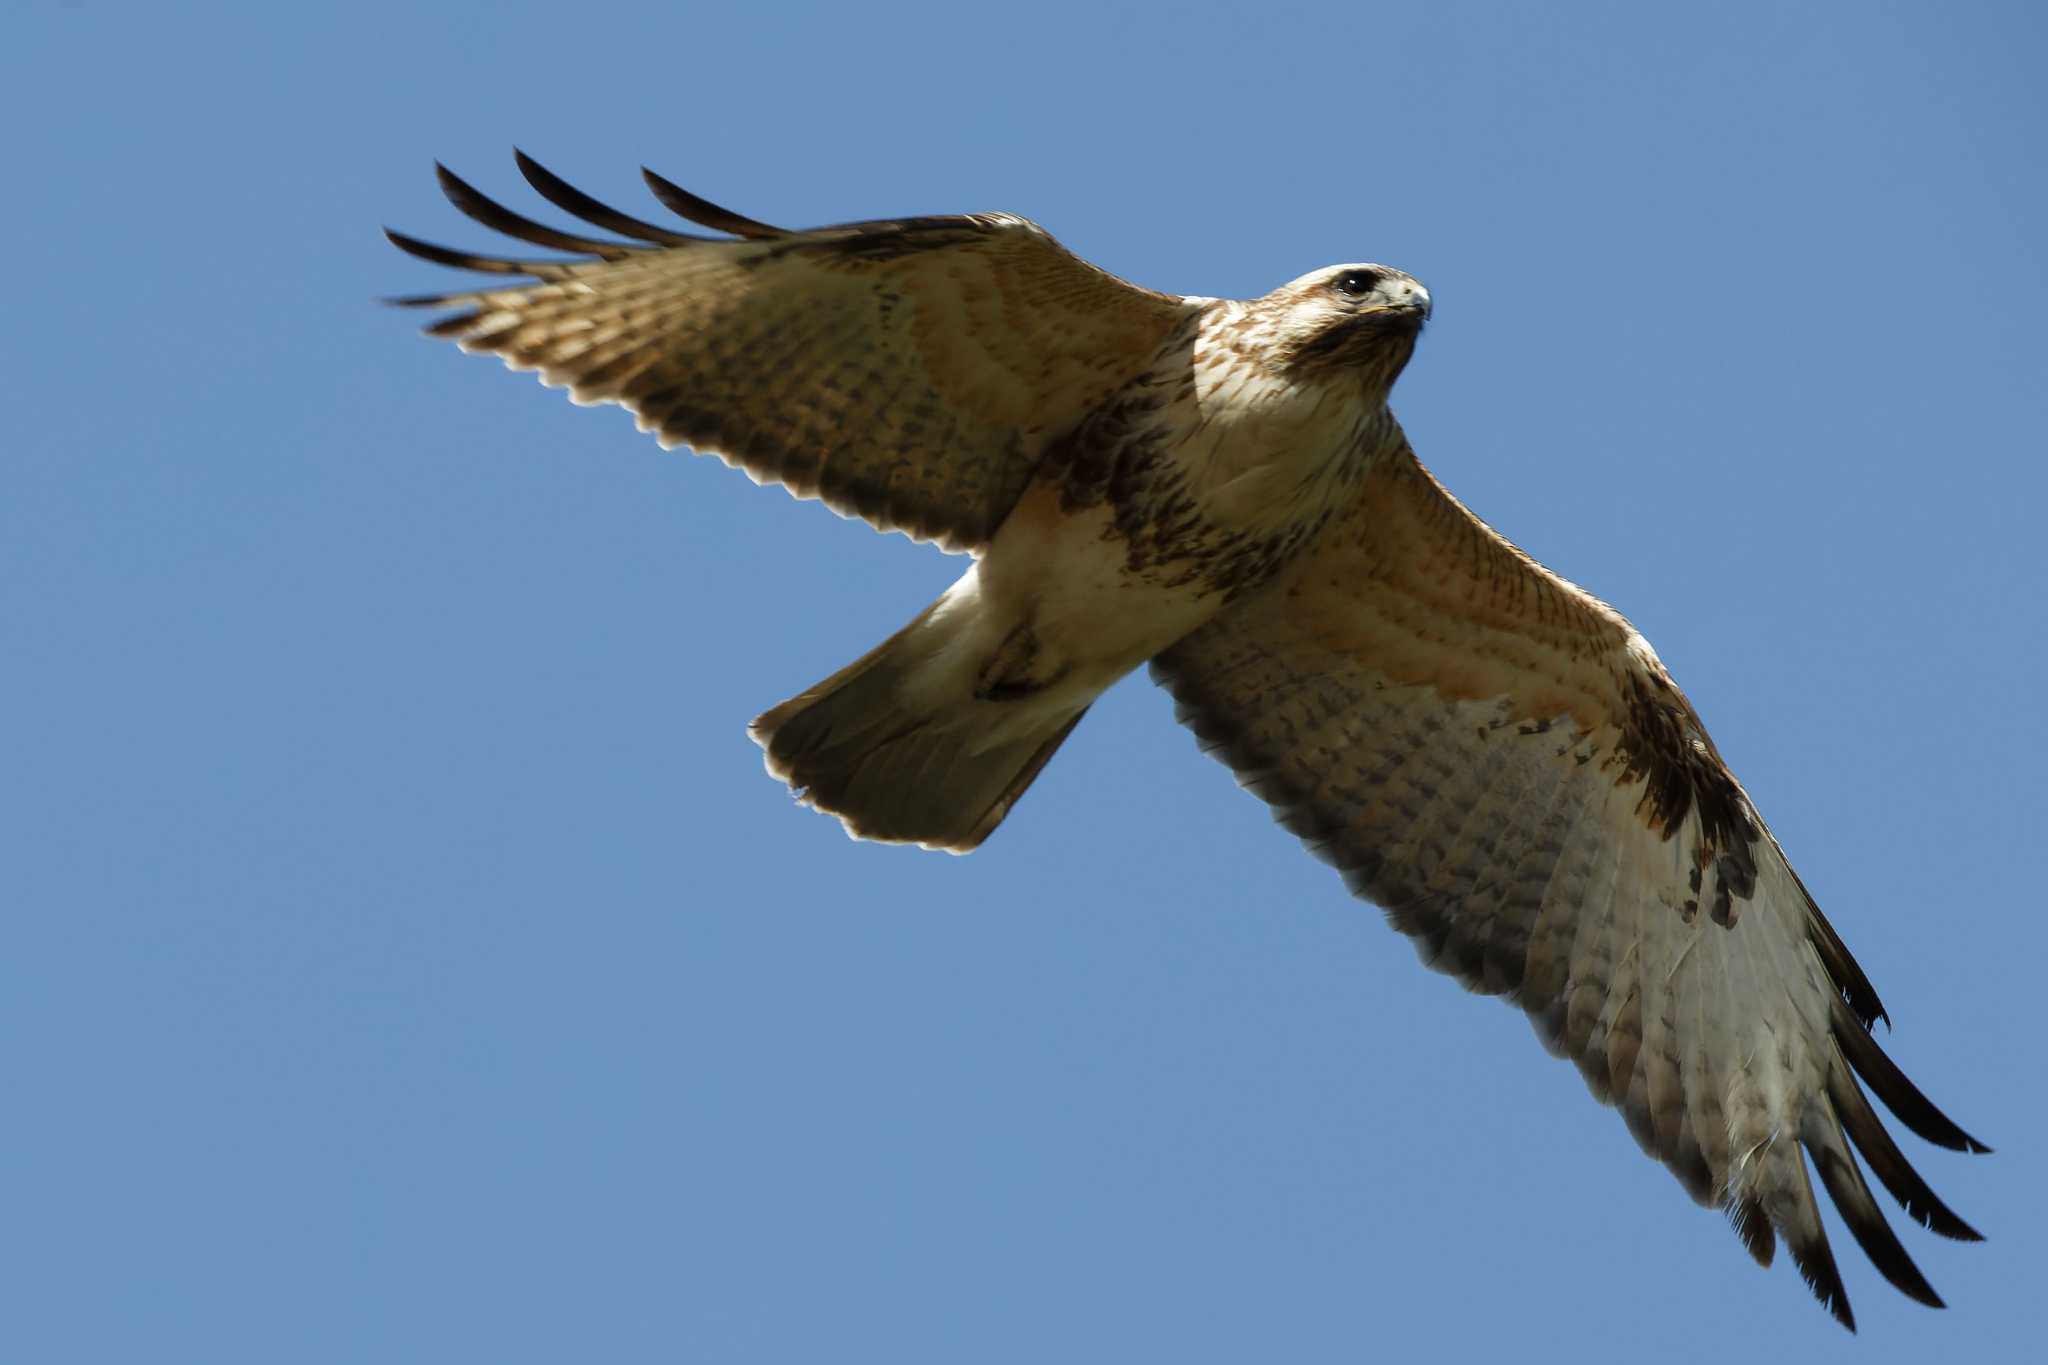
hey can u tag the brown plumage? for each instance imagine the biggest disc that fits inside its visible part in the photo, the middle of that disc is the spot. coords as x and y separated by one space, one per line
1464 736
1489 753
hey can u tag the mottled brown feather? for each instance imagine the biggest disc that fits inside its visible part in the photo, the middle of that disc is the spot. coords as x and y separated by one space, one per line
1499 761
1492 755
907 372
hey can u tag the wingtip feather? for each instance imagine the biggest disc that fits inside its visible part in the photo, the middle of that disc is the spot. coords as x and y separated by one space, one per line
1825 1146
449 256
1816 1262
1751 1224
1891 1085
567 197
1886 1161
704 213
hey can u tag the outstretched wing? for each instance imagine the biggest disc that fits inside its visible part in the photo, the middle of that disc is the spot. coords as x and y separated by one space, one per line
907 372
1502 763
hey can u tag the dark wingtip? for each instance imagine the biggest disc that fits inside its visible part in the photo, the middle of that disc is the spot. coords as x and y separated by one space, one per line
475 204
1817 1267
1827 1148
1841 964
534 172
428 251
1863 1127
704 213
532 169
1753 1226
563 195
452 185
1899 1094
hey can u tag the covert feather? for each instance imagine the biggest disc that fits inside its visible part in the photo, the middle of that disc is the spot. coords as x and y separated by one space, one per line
1217 488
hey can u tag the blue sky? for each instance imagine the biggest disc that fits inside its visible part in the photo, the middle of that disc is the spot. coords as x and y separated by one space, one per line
409 959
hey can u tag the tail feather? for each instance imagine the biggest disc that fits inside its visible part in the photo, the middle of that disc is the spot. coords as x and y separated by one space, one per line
897 767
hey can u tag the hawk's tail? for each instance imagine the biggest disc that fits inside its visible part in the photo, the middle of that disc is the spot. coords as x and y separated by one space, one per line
898 745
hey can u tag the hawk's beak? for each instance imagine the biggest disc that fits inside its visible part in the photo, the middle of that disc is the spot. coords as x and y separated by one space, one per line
1407 302
1410 297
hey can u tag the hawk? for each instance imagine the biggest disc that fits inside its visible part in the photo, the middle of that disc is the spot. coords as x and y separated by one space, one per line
1217 488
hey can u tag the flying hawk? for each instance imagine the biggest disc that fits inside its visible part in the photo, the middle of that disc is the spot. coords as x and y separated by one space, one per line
1216 487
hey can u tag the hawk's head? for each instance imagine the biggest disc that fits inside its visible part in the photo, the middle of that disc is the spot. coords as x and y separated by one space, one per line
1359 320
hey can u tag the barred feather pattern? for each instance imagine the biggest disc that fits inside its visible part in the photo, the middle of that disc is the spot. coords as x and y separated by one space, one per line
907 372
1475 768
1489 753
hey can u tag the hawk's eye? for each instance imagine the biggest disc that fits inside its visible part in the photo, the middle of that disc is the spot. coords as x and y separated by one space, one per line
1356 284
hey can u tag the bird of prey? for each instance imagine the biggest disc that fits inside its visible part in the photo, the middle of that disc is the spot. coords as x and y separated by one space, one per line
1217 488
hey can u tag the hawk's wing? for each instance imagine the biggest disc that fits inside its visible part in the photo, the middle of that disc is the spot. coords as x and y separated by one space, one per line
1501 762
905 372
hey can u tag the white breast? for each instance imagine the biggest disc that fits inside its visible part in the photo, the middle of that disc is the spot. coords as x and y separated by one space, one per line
1254 446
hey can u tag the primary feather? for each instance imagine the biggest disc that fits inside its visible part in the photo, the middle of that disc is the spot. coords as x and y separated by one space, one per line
1489 753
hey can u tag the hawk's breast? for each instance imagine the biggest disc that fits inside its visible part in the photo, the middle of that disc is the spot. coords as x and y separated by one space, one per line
1216 472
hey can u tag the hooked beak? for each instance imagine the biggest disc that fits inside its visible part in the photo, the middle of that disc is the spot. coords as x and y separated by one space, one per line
1408 300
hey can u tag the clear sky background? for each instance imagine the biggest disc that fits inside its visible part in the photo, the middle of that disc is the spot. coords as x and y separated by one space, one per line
407 958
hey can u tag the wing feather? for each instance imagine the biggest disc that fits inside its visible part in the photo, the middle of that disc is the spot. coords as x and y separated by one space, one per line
1899 1094
1887 1162
696 209
1500 762
1821 1134
464 260
496 216
907 372
563 195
